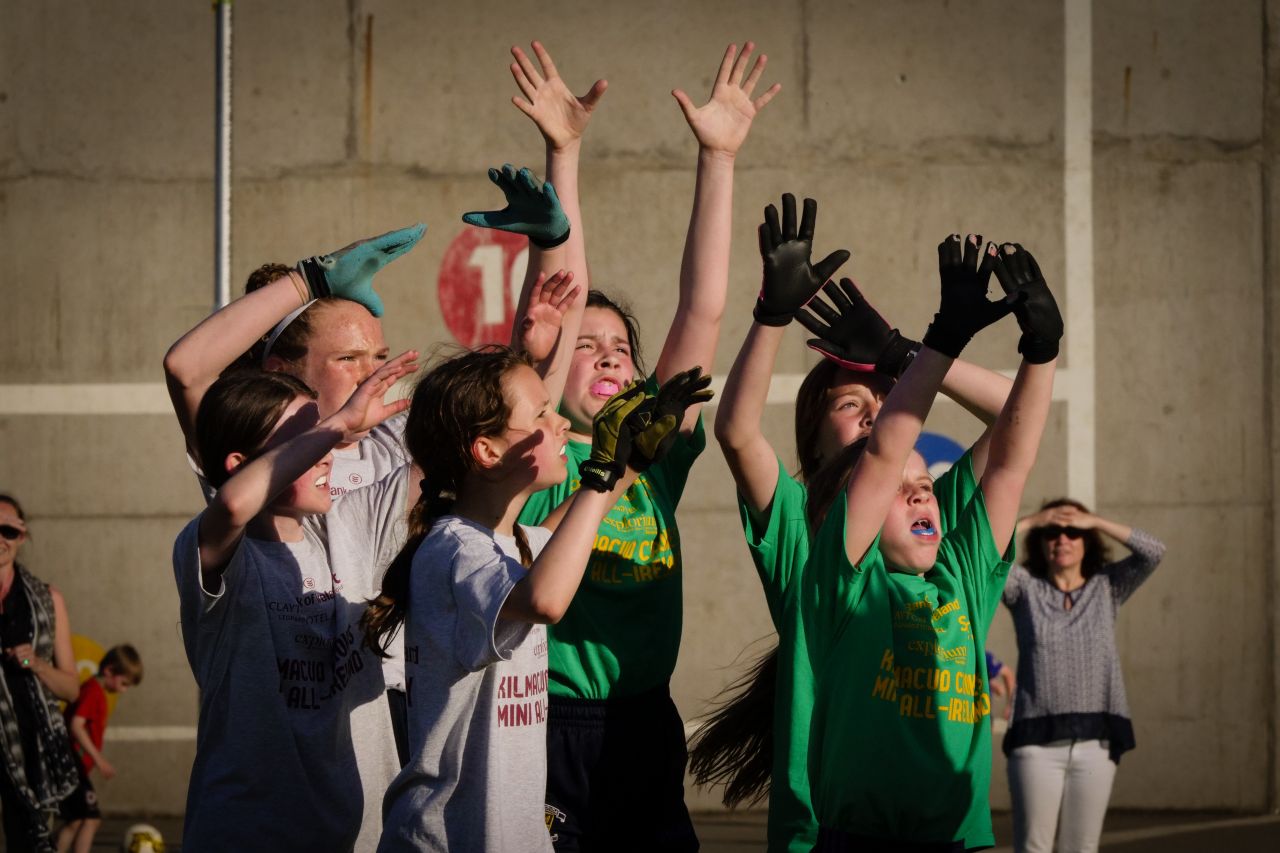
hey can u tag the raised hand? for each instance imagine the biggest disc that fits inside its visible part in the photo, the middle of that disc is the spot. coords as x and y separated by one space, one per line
561 116
549 299
964 309
532 209
349 271
656 423
721 124
1033 304
365 408
611 439
790 280
853 334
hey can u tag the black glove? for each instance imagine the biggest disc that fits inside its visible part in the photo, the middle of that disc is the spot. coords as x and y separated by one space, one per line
964 310
854 335
657 422
789 279
611 439
1033 304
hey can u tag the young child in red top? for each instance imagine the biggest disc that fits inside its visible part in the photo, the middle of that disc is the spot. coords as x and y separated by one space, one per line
120 669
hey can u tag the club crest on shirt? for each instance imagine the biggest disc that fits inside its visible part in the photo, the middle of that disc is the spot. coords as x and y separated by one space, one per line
554 816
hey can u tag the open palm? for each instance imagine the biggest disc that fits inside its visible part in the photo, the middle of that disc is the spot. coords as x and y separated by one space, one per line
560 115
722 123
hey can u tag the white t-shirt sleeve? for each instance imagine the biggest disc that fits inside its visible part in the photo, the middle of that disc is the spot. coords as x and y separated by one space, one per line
482 578
380 511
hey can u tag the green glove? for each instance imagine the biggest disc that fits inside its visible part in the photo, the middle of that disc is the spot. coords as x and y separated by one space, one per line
611 438
349 271
657 423
532 209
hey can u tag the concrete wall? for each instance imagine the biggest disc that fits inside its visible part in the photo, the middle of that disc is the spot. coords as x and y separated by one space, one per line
906 120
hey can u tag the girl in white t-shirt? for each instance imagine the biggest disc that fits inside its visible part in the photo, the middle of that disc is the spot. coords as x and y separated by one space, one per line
474 589
293 750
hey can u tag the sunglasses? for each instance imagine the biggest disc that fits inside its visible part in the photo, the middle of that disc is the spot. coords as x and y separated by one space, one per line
1053 531
8 531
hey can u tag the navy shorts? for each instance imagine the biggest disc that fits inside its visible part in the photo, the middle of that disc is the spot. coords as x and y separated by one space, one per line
615 775
82 802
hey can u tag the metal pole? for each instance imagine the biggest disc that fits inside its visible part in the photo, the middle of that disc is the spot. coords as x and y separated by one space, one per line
222 164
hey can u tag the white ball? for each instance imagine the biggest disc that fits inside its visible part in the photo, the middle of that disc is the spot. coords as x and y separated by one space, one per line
142 838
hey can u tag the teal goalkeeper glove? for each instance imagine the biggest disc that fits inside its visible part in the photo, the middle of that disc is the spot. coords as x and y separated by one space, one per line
532 209
349 271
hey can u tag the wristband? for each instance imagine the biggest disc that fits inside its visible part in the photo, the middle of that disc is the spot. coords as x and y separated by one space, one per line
897 355
312 272
551 243
597 476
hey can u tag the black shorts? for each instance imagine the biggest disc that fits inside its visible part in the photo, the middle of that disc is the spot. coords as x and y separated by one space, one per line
83 801
615 775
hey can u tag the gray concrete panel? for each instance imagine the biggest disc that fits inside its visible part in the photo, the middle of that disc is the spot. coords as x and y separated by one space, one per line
1179 332
68 463
108 274
1188 69
111 89
925 80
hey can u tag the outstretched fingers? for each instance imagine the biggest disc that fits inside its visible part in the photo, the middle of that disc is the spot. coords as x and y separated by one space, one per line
740 65
726 65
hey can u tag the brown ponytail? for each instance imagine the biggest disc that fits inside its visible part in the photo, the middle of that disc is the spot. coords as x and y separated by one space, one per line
734 747
457 401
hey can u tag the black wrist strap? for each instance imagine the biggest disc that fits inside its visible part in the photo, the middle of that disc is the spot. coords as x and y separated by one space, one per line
551 243
766 317
312 272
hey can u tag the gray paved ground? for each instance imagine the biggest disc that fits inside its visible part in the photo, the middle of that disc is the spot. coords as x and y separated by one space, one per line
1125 832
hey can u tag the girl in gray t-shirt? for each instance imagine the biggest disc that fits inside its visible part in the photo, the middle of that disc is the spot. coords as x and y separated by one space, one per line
474 590
292 742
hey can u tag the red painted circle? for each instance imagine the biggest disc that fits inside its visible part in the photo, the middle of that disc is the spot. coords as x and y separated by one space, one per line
460 286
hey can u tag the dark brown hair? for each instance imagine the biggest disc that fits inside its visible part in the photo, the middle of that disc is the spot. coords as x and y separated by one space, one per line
597 299
123 660
13 502
238 414
1096 553
456 402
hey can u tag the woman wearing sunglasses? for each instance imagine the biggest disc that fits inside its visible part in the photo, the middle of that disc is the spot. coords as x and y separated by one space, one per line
1070 717
37 668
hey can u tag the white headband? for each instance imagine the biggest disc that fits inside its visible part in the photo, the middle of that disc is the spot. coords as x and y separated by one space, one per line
280 327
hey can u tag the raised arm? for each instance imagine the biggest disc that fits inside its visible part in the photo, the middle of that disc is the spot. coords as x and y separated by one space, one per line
789 281
562 118
964 311
631 432
1015 437
256 482
849 331
198 358
720 126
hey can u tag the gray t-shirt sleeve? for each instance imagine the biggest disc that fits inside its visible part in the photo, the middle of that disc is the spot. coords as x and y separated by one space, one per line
201 610
482 577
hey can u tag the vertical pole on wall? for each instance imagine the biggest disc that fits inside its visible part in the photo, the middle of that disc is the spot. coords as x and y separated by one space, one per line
1077 201
222 163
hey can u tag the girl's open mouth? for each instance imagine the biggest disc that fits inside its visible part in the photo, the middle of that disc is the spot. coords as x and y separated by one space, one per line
923 527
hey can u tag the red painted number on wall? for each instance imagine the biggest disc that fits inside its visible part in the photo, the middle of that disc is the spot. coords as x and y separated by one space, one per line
479 285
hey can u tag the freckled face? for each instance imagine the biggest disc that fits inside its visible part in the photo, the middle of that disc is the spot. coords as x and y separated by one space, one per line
345 348
601 366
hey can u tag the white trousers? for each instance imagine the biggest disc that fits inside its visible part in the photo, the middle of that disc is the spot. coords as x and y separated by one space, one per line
1062 786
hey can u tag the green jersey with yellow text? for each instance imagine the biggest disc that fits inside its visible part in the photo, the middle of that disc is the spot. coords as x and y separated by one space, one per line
779 542
621 634
900 744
